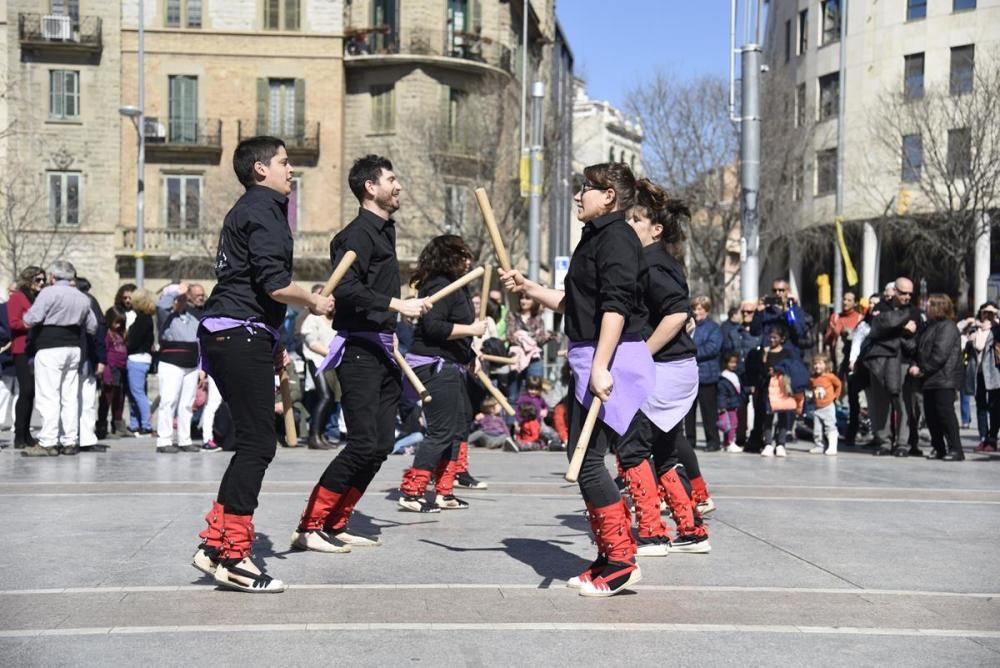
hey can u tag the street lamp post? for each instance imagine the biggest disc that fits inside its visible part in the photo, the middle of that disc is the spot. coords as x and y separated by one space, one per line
138 118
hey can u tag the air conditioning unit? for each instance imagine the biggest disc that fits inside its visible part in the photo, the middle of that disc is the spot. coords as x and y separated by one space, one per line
57 28
153 130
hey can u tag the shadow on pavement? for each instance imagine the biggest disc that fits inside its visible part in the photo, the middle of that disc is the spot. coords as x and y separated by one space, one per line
546 557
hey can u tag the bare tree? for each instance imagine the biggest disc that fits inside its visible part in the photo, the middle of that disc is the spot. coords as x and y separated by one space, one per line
690 147
937 165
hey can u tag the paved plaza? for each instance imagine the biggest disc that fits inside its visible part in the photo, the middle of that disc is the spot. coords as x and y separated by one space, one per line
844 561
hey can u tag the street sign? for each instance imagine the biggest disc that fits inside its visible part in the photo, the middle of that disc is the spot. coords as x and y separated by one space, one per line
560 269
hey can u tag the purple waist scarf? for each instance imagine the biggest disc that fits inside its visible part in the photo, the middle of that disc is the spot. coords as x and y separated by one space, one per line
633 372
415 361
336 354
674 394
215 324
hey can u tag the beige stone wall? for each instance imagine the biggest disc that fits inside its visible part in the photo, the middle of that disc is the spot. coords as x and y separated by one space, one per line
89 145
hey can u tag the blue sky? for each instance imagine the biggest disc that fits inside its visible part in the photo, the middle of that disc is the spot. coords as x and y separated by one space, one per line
617 44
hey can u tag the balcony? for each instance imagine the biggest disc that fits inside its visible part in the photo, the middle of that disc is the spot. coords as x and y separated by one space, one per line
60 34
384 45
301 143
183 140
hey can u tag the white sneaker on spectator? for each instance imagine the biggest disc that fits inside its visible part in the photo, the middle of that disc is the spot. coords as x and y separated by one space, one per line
768 451
733 448
817 450
780 451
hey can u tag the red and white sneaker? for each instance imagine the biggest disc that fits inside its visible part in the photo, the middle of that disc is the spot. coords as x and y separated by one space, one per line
588 575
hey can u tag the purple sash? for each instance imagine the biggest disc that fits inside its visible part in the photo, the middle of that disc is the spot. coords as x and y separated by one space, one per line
674 394
634 377
213 324
336 354
415 361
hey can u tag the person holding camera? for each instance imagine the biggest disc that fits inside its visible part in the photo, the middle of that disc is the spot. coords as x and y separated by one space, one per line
983 353
780 308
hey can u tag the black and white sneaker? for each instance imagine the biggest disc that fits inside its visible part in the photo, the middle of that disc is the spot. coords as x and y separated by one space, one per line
235 574
206 559
450 502
318 541
691 544
653 546
466 481
418 504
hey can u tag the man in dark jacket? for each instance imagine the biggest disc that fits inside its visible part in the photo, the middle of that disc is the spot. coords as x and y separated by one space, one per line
891 348
93 357
781 309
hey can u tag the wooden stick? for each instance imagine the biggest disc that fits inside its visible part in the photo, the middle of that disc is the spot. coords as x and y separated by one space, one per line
582 443
291 434
494 392
425 396
491 226
484 296
497 359
338 273
456 285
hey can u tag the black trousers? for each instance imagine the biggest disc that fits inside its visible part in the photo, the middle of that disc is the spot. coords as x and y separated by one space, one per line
371 388
643 439
708 403
987 402
780 423
939 409
242 365
325 401
448 416
596 484
25 398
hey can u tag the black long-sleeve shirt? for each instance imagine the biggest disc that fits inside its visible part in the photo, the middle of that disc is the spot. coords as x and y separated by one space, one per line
139 338
603 277
254 259
364 293
665 292
434 328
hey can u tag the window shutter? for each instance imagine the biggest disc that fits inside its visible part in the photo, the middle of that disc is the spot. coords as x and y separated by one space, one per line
263 95
475 16
300 111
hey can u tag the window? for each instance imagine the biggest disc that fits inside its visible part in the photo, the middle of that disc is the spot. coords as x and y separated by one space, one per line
64 94
183 201
916 9
454 209
295 204
183 13
831 21
803 32
281 14
829 96
456 115
959 152
797 181
800 105
913 158
913 76
826 172
611 154
64 198
69 8
963 60
383 109
183 102
281 107
962 5
788 40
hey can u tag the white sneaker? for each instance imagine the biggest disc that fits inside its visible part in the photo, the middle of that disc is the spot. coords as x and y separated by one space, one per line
768 451
318 541
780 451
817 450
352 539
733 448
831 452
707 506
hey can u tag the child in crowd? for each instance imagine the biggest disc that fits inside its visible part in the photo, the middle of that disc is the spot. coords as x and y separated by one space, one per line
532 395
113 379
826 388
730 400
782 400
529 430
490 428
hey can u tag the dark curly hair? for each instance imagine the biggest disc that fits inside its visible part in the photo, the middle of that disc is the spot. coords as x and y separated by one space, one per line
668 212
445 255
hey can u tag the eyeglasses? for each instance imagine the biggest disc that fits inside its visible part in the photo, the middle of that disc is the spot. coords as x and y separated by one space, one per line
779 290
590 186
750 312
38 279
904 294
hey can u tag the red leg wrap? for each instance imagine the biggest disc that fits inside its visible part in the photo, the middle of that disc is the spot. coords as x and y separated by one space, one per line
414 482
321 504
237 536
212 535
613 531
643 488
446 472
338 519
682 507
699 490
462 465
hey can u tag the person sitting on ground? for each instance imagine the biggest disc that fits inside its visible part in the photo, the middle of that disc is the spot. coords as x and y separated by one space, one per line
490 428
532 394
529 430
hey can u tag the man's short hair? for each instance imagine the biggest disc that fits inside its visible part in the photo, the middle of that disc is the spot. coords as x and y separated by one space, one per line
368 168
249 152
62 270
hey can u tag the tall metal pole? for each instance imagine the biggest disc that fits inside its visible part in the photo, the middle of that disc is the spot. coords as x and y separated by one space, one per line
750 170
140 237
524 75
535 178
838 260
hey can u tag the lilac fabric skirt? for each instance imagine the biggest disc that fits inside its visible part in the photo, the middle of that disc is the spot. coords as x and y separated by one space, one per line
633 372
336 354
674 394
